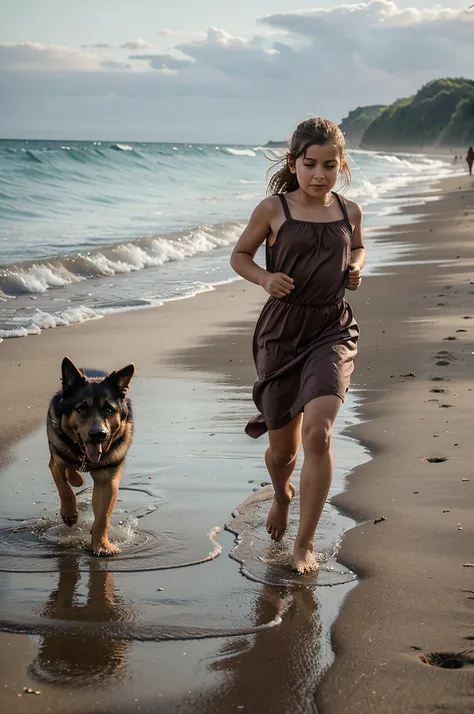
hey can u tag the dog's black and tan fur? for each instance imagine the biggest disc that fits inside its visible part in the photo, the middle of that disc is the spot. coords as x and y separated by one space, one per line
90 428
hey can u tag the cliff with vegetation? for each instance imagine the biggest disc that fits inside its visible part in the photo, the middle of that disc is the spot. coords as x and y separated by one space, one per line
440 114
356 123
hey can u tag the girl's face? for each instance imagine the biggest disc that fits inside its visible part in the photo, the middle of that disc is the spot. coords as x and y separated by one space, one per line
318 168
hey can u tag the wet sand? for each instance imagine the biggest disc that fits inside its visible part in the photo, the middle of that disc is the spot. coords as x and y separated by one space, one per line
173 624
415 595
412 592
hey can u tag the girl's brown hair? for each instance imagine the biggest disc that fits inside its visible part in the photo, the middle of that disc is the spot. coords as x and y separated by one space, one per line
309 132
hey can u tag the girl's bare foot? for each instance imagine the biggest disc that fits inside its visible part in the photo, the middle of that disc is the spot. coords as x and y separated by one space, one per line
304 558
277 521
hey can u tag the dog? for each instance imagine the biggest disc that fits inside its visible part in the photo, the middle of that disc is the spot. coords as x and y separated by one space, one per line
90 428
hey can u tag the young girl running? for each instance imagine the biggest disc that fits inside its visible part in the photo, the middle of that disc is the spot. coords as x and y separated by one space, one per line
305 339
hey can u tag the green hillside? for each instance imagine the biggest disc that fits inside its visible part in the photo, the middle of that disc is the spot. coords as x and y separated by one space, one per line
358 120
441 113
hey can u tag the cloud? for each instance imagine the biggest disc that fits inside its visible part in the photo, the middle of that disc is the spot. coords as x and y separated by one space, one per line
100 46
319 61
112 64
181 33
164 62
232 55
372 47
35 57
379 35
137 45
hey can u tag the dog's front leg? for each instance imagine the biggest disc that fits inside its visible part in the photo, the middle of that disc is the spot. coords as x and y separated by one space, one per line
68 509
104 495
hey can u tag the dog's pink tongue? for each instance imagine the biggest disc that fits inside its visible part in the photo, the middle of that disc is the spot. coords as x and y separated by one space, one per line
93 452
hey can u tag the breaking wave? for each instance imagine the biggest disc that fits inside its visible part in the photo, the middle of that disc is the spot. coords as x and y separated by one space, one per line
40 276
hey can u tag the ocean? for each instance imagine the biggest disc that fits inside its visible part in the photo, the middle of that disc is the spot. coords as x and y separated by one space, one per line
90 228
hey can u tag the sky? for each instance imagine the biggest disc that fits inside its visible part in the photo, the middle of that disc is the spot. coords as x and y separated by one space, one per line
240 72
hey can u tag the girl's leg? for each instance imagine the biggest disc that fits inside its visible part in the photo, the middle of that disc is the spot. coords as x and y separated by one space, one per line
316 475
280 459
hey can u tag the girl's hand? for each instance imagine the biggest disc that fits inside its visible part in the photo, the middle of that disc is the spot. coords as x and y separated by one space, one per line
355 276
277 284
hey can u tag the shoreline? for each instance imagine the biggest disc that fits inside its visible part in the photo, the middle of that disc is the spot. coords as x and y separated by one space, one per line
412 597
375 668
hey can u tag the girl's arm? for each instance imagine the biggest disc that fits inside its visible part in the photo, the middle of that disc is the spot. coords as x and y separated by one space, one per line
242 259
357 247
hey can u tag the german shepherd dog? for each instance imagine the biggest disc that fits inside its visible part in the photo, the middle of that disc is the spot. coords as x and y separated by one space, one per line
90 428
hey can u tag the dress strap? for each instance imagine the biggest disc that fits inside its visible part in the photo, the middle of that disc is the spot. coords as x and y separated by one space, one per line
342 202
284 203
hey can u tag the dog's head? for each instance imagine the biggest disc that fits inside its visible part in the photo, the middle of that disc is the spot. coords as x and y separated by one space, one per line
94 409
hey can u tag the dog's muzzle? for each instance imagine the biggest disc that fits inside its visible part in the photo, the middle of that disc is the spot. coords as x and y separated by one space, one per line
93 447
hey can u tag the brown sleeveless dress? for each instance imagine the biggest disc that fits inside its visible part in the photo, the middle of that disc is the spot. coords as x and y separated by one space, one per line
304 343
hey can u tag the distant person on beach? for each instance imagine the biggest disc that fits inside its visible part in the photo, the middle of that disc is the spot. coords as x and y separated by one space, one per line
470 159
305 340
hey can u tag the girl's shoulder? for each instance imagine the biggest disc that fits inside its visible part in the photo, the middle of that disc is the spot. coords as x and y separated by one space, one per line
353 209
269 206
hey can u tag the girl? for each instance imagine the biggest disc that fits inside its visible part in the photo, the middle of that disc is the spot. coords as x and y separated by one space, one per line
305 340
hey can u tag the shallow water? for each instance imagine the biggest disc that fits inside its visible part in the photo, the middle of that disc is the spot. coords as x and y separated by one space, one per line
189 468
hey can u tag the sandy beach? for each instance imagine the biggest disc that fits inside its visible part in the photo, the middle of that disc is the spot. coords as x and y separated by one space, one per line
205 638
415 592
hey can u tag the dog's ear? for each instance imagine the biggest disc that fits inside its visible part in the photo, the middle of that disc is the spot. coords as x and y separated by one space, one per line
69 373
122 378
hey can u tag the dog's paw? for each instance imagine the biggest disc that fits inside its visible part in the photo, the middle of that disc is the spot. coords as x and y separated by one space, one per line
105 550
70 520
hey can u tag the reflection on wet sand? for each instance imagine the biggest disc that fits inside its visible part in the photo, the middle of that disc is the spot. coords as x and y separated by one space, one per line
88 654
276 670
258 642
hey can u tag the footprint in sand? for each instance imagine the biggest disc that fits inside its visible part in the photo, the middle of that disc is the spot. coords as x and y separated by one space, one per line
447 357
439 379
446 406
461 330
448 660
437 390
436 459
450 338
